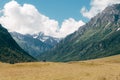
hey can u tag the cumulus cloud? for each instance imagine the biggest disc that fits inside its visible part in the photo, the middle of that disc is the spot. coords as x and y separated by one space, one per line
69 26
96 7
26 19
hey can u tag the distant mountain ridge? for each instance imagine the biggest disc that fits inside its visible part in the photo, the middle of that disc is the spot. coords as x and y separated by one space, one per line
100 37
10 52
47 39
35 44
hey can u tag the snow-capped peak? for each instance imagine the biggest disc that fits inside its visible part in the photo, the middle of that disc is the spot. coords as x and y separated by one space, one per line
44 38
118 29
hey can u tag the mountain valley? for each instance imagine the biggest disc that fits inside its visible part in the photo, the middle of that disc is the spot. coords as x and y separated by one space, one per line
35 44
98 38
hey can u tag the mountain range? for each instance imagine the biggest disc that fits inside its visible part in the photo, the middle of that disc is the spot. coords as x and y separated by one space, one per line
10 52
100 37
35 44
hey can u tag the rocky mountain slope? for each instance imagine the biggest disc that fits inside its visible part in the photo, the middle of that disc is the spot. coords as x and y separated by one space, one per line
100 37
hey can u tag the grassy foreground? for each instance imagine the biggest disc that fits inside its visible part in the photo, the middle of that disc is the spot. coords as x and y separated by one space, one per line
100 69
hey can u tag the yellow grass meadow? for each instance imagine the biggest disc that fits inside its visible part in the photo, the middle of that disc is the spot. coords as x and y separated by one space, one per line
99 69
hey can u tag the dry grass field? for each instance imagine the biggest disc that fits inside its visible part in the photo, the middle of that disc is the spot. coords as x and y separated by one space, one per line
99 69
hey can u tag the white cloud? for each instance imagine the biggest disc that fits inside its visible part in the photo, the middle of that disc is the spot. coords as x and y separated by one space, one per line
69 26
96 7
26 19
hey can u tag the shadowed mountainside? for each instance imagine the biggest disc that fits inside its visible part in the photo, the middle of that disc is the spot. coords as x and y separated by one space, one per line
10 52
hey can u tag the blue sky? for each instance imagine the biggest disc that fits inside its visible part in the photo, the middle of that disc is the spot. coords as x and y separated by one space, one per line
57 9
57 18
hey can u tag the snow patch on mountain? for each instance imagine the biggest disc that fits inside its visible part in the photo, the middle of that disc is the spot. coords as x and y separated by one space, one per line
44 38
118 29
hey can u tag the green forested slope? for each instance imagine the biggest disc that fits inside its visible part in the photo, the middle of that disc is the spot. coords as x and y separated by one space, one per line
10 52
